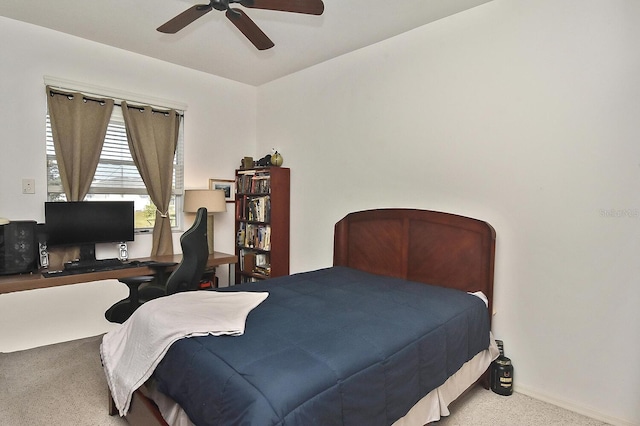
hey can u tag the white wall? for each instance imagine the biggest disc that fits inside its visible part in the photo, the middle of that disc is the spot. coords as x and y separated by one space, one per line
521 113
219 130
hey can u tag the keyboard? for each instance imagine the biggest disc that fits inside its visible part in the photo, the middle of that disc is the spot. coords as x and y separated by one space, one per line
84 267
87 265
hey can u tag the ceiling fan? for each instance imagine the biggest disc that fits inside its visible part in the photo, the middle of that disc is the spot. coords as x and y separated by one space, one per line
240 19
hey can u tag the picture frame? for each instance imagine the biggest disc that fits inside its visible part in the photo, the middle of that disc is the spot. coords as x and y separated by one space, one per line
227 185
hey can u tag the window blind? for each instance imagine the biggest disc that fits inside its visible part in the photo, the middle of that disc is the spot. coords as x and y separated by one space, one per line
116 173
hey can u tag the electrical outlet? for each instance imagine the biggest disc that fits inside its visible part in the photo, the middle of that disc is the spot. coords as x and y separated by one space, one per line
28 186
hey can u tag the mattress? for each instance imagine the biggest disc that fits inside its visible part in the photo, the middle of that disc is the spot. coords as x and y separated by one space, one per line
333 346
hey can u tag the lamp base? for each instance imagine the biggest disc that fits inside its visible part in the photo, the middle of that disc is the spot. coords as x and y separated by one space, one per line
210 232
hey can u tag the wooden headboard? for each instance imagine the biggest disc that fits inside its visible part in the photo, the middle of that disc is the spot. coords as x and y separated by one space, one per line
419 245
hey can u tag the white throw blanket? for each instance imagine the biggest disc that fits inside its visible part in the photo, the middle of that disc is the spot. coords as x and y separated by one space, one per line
131 353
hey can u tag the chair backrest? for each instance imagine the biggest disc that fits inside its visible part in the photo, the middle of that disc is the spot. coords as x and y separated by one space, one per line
195 252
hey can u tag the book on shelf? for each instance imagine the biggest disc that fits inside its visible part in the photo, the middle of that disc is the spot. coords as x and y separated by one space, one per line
258 209
254 236
261 184
262 259
249 262
263 270
253 182
240 236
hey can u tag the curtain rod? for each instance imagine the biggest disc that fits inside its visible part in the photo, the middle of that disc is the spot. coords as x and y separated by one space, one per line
87 98
117 95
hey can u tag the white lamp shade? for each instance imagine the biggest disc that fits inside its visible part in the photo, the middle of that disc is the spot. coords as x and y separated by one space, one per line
211 199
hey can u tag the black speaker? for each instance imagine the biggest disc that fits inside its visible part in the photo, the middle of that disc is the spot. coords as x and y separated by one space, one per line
18 247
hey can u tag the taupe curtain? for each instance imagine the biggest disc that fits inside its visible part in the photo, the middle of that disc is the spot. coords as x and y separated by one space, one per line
78 125
153 138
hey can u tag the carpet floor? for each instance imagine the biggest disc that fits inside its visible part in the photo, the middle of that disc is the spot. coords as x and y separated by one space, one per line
64 384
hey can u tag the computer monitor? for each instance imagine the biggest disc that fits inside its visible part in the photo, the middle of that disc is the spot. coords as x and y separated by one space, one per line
85 223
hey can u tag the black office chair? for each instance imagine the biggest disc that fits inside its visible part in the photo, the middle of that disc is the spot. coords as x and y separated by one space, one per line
186 276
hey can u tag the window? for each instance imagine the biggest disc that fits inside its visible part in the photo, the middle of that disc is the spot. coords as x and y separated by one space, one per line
117 177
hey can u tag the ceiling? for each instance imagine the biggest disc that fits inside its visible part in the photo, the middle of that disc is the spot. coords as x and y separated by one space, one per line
212 44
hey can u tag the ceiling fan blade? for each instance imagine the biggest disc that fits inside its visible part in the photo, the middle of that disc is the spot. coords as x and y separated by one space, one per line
311 7
249 29
174 25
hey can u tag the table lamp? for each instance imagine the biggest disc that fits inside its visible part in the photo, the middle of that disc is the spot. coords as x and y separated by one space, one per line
211 199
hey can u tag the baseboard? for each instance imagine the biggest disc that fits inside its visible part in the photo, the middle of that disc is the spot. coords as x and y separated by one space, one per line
572 407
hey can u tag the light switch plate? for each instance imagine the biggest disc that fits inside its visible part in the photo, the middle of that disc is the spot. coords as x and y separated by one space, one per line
28 186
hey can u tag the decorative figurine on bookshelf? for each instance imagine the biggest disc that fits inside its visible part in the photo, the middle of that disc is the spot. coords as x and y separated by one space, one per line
246 163
264 161
276 159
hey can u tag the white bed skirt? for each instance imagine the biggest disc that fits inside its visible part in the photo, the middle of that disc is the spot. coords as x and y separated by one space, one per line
436 403
429 409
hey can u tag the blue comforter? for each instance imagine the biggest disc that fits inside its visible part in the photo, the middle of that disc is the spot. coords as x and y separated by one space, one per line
335 346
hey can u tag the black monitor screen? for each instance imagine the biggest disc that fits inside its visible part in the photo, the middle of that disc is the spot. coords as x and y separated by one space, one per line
88 222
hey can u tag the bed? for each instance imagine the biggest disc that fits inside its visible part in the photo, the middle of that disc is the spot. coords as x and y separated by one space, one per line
362 342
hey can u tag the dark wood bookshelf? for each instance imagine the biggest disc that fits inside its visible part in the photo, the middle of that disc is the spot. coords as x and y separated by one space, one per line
262 217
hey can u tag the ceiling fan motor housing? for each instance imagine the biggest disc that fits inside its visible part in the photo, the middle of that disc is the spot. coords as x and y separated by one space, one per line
219 4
